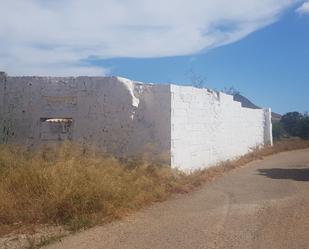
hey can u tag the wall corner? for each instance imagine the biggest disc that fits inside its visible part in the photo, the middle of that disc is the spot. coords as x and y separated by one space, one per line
268 134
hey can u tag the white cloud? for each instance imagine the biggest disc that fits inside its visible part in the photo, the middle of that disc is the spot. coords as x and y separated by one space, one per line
54 37
304 8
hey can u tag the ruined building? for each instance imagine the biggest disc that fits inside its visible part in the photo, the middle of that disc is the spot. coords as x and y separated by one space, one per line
196 127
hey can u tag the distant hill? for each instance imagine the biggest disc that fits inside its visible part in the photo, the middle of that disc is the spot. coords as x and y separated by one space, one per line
248 104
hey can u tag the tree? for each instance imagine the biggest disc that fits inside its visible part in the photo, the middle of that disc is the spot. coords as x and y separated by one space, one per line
278 131
291 123
197 80
231 90
304 127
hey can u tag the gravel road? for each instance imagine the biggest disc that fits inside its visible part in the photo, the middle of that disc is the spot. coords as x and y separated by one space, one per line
262 205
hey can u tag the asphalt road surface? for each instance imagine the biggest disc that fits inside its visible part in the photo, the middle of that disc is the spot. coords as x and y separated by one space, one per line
262 205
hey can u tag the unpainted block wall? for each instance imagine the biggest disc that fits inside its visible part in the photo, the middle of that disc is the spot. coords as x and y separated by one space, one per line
208 127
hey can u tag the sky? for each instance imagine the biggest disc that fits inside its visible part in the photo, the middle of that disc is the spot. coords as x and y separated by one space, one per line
260 47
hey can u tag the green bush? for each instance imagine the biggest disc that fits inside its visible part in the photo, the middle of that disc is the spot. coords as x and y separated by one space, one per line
291 123
278 131
304 127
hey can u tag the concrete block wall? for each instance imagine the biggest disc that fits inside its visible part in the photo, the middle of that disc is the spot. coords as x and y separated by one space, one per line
117 115
209 127
194 127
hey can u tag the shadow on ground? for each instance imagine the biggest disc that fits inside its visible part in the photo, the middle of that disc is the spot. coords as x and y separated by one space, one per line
297 174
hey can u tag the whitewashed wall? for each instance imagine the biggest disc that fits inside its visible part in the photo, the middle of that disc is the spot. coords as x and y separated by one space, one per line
196 127
208 127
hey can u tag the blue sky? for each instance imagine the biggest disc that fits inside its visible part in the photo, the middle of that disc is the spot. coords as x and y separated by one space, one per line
259 47
270 66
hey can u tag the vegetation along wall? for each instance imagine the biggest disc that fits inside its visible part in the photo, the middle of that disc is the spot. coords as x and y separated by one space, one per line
193 127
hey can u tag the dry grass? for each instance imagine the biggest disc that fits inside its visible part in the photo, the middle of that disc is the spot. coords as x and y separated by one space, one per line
78 188
68 186
199 177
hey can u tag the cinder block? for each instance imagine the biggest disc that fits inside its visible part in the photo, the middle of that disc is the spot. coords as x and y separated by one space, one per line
198 127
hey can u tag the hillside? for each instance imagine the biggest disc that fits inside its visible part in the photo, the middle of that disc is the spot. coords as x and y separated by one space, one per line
247 103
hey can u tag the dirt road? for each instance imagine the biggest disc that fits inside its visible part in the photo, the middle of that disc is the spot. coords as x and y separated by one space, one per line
262 205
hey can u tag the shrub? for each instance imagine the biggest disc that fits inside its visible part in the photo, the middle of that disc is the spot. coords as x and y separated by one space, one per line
79 188
294 123
278 131
65 185
290 122
304 127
